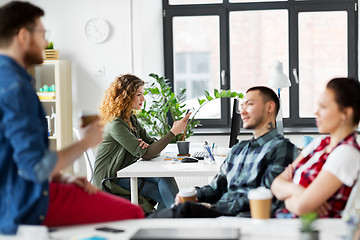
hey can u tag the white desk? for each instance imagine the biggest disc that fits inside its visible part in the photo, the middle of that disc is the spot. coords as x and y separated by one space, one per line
272 229
158 167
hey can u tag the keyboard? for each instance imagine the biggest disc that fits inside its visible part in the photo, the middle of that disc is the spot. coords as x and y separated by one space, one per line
199 155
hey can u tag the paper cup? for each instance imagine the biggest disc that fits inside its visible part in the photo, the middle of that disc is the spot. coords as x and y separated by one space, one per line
260 202
187 195
32 232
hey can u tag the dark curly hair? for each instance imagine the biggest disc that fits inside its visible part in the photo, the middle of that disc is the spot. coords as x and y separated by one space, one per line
117 100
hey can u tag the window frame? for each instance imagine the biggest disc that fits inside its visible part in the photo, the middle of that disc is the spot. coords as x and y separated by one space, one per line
294 7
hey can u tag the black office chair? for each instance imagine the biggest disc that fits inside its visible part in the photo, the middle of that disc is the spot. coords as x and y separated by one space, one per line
235 124
147 204
107 189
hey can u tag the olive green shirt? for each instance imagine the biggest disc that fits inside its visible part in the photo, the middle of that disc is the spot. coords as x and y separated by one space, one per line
119 149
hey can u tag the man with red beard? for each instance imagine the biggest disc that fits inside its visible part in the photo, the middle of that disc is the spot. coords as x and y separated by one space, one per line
32 189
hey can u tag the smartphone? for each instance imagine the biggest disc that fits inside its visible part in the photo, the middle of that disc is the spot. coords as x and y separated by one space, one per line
108 229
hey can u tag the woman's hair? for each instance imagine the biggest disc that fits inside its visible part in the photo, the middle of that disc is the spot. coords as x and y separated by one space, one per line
347 94
117 100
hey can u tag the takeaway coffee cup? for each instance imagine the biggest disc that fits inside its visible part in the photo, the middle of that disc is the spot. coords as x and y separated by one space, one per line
87 118
187 195
32 232
260 202
183 147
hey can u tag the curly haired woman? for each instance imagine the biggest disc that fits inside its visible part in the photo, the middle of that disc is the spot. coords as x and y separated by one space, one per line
125 141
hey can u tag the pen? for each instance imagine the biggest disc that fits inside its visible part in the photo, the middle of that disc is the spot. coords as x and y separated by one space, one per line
212 148
206 147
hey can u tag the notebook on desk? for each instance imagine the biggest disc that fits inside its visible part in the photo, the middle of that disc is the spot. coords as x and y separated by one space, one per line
187 234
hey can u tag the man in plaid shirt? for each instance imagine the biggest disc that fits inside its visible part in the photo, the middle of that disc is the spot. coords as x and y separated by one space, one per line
250 164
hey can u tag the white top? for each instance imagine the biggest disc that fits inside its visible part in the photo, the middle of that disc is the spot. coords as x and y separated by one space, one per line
343 162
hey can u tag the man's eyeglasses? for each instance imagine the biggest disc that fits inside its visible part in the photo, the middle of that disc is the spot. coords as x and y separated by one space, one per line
46 33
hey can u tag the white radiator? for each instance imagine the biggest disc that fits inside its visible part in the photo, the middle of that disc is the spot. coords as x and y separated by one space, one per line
184 182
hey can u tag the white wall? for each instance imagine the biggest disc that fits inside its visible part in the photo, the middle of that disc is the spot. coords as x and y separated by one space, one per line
135 44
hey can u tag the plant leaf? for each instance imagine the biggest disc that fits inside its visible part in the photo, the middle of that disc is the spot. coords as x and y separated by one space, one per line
209 98
228 93
223 93
201 101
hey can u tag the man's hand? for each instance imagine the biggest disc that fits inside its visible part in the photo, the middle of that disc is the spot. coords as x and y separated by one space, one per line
178 200
81 182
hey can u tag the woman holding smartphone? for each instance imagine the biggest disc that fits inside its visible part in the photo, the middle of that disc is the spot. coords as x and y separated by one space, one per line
125 141
322 176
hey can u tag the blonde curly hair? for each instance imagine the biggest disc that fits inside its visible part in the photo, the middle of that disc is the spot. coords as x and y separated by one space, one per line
117 99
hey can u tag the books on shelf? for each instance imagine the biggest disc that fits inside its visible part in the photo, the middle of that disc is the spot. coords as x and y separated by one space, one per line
46 95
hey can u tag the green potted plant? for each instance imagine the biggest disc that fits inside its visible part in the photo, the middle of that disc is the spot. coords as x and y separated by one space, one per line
49 52
307 230
50 46
166 103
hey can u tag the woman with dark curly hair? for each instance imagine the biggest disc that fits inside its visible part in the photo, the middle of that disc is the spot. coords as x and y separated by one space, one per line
125 141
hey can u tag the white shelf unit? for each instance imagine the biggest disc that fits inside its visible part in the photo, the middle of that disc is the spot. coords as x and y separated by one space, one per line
57 72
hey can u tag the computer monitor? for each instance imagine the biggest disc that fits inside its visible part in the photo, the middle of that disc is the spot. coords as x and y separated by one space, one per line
235 124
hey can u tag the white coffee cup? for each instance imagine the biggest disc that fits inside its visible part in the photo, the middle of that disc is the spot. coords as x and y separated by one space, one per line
32 232
187 195
260 202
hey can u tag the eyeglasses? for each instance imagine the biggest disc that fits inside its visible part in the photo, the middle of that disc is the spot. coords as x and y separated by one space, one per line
46 33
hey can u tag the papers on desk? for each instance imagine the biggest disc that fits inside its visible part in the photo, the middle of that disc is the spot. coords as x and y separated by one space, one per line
263 227
187 233
180 166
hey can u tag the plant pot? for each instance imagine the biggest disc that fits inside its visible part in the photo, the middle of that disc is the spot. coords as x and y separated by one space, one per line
183 147
50 54
314 235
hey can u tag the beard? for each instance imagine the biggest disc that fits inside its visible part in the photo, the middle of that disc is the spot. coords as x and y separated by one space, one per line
34 55
254 124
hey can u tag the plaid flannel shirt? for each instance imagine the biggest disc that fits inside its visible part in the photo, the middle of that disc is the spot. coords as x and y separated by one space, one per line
250 164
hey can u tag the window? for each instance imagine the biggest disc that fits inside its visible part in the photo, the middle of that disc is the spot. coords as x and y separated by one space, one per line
233 44
196 60
322 54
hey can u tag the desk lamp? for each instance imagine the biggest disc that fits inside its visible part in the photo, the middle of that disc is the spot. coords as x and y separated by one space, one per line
278 81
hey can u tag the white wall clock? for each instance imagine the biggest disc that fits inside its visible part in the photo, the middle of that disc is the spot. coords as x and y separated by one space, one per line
97 30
